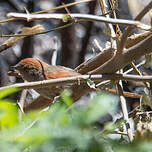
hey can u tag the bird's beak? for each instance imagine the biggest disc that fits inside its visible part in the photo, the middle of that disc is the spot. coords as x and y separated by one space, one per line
13 68
13 71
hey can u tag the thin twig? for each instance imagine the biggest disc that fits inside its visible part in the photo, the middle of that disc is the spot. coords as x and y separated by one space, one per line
44 32
27 128
103 9
62 6
131 69
139 73
21 103
54 54
97 46
109 26
125 112
120 133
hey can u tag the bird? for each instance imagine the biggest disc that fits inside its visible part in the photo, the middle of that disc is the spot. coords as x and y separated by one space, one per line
31 69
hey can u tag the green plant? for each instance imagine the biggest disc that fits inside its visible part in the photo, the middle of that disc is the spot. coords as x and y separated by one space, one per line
62 127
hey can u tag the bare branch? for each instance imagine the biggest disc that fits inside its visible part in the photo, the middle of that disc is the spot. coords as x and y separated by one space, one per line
139 73
136 38
97 61
44 32
129 29
25 31
78 80
125 112
116 63
50 10
85 17
133 53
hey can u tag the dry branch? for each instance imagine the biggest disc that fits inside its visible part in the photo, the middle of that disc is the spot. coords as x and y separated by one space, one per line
50 10
85 17
125 112
129 29
25 31
133 53
136 38
117 63
78 80
95 62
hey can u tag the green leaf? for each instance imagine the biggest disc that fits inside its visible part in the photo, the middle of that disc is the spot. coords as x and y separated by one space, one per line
8 114
65 96
6 92
58 114
91 84
66 18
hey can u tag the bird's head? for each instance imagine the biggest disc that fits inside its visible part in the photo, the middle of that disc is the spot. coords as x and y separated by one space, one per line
30 69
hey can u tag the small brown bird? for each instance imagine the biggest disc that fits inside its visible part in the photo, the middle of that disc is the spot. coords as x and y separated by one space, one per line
35 70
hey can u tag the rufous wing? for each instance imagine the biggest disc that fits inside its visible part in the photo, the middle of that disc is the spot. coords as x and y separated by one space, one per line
60 72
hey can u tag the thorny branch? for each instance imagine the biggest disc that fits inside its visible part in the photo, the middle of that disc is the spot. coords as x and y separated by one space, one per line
85 17
50 10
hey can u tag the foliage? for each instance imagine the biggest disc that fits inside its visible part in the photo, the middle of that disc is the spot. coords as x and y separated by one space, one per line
62 128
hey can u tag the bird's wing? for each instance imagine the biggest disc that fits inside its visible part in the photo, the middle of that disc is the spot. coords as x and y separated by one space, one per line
60 72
